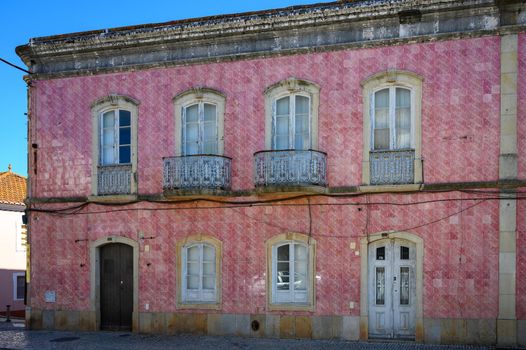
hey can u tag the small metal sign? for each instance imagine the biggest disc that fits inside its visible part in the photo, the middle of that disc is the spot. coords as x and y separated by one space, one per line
50 296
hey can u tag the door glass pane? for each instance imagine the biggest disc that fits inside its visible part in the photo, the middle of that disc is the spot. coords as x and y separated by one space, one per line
107 155
380 253
124 154
283 253
124 135
404 285
192 268
209 268
283 268
300 252
193 254
124 118
380 286
404 253
210 131
192 132
282 106
192 113
108 120
108 138
191 148
210 148
403 118
300 273
209 253
192 282
210 113
381 119
302 105
208 282
282 142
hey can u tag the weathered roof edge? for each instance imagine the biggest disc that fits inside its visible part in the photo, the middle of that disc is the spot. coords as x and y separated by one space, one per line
278 31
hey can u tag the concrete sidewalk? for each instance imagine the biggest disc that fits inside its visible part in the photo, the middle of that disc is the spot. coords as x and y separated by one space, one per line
15 336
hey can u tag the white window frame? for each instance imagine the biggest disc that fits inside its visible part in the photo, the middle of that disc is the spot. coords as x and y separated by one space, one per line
292 299
202 295
291 87
193 96
392 116
292 295
182 301
116 136
105 104
380 81
15 289
291 120
201 125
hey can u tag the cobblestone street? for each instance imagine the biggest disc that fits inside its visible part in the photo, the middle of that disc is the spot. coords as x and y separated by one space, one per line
14 336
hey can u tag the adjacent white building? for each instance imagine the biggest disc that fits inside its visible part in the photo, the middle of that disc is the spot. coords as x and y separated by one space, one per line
12 241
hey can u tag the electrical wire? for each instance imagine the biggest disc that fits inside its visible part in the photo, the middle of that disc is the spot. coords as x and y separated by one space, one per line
76 210
15 66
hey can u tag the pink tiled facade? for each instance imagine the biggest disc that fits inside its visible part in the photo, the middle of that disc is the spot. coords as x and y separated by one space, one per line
452 213
460 101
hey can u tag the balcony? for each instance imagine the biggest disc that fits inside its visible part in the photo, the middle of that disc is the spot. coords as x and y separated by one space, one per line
114 179
197 172
392 167
290 168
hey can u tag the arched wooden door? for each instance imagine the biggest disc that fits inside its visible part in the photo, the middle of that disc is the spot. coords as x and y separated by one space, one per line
116 286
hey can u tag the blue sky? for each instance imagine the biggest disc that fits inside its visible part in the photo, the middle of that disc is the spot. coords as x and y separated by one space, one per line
22 20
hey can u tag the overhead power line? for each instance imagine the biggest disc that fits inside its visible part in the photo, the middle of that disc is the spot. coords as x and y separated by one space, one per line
15 66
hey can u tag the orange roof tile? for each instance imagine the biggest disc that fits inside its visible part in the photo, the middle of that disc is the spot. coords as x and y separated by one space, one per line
12 188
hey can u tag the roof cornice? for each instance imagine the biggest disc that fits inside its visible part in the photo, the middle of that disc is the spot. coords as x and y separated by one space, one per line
279 31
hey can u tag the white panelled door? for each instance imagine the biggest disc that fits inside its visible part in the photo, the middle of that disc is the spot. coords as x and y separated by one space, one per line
392 289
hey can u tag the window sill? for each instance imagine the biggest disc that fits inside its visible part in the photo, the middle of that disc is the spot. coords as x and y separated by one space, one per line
113 198
196 305
290 307
390 188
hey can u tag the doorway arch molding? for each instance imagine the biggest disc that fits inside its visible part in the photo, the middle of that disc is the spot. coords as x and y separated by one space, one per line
95 276
364 271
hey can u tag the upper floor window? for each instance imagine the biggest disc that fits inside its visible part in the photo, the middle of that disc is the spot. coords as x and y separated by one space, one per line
291 269
292 115
114 145
199 272
200 129
199 116
391 121
115 137
291 123
392 129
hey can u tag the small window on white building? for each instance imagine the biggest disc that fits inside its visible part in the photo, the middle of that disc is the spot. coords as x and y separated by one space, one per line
19 285
21 237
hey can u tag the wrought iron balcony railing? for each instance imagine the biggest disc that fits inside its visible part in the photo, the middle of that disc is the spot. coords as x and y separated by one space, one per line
114 179
290 168
392 167
197 172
